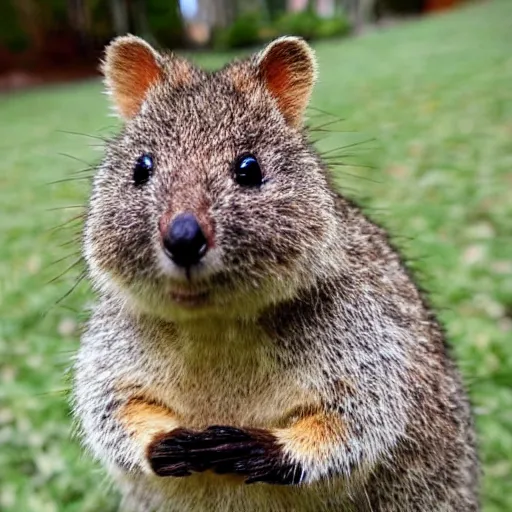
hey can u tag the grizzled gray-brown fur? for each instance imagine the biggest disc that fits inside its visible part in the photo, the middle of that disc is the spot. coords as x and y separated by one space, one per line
258 344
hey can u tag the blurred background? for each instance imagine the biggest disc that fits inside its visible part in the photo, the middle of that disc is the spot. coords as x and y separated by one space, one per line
57 39
413 112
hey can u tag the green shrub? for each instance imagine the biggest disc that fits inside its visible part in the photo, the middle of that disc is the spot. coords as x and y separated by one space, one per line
245 31
333 27
309 25
12 36
249 30
165 21
304 24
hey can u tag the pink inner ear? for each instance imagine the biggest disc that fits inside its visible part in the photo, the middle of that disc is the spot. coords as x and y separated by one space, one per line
288 74
130 70
278 80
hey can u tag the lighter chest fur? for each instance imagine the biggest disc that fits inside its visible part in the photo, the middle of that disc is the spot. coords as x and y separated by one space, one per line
208 492
224 374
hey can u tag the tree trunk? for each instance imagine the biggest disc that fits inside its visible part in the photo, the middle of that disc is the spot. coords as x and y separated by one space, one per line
140 21
221 12
120 17
30 19
364 13
80 21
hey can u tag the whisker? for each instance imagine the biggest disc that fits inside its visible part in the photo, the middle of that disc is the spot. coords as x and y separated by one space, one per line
75 240
355 152
80 278
63 180
324 130
83 135
74 158
364 178
324 112
358 143
67 207
73 265
328 123
87 169
338 157
76 218
76 253
348 164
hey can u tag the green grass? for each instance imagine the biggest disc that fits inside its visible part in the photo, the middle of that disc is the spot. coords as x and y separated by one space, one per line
436 97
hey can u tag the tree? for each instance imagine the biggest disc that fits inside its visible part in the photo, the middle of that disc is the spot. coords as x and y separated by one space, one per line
120 17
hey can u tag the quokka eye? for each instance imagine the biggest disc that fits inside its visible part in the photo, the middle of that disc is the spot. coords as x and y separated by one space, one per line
247 171
143 169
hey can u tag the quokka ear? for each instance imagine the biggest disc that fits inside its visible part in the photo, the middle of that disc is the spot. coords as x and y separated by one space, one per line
131 66
288 68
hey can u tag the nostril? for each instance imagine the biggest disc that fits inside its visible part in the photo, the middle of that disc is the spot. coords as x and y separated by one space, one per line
184 241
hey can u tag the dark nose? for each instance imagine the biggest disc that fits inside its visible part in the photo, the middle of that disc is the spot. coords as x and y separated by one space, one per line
184 242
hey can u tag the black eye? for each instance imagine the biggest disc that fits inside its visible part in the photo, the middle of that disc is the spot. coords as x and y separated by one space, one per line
143 169
247 171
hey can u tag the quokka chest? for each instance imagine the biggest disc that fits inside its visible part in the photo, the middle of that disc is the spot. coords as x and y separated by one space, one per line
237 383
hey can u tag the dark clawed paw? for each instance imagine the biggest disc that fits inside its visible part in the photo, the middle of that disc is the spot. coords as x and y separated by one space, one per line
168 454
254 454
263 469
251 453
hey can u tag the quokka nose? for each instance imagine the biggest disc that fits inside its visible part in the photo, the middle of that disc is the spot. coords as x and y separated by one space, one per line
184 242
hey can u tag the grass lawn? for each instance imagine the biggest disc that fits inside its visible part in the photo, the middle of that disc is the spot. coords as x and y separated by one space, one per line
434 96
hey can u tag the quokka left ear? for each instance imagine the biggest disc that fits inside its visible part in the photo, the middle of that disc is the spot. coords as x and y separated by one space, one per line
287 67
131 67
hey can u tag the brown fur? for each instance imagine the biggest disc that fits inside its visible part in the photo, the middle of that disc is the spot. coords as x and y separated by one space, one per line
314 364
313 434
145 421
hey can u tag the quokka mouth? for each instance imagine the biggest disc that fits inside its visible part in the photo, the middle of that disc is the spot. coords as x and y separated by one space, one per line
190 298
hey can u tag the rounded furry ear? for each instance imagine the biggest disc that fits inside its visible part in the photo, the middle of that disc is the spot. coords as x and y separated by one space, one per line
288 68
131 66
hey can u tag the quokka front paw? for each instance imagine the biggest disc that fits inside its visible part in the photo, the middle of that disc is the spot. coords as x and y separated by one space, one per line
251 453
168 455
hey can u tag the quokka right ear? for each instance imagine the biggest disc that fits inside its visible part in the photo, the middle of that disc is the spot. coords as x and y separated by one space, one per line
131 67
287 67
